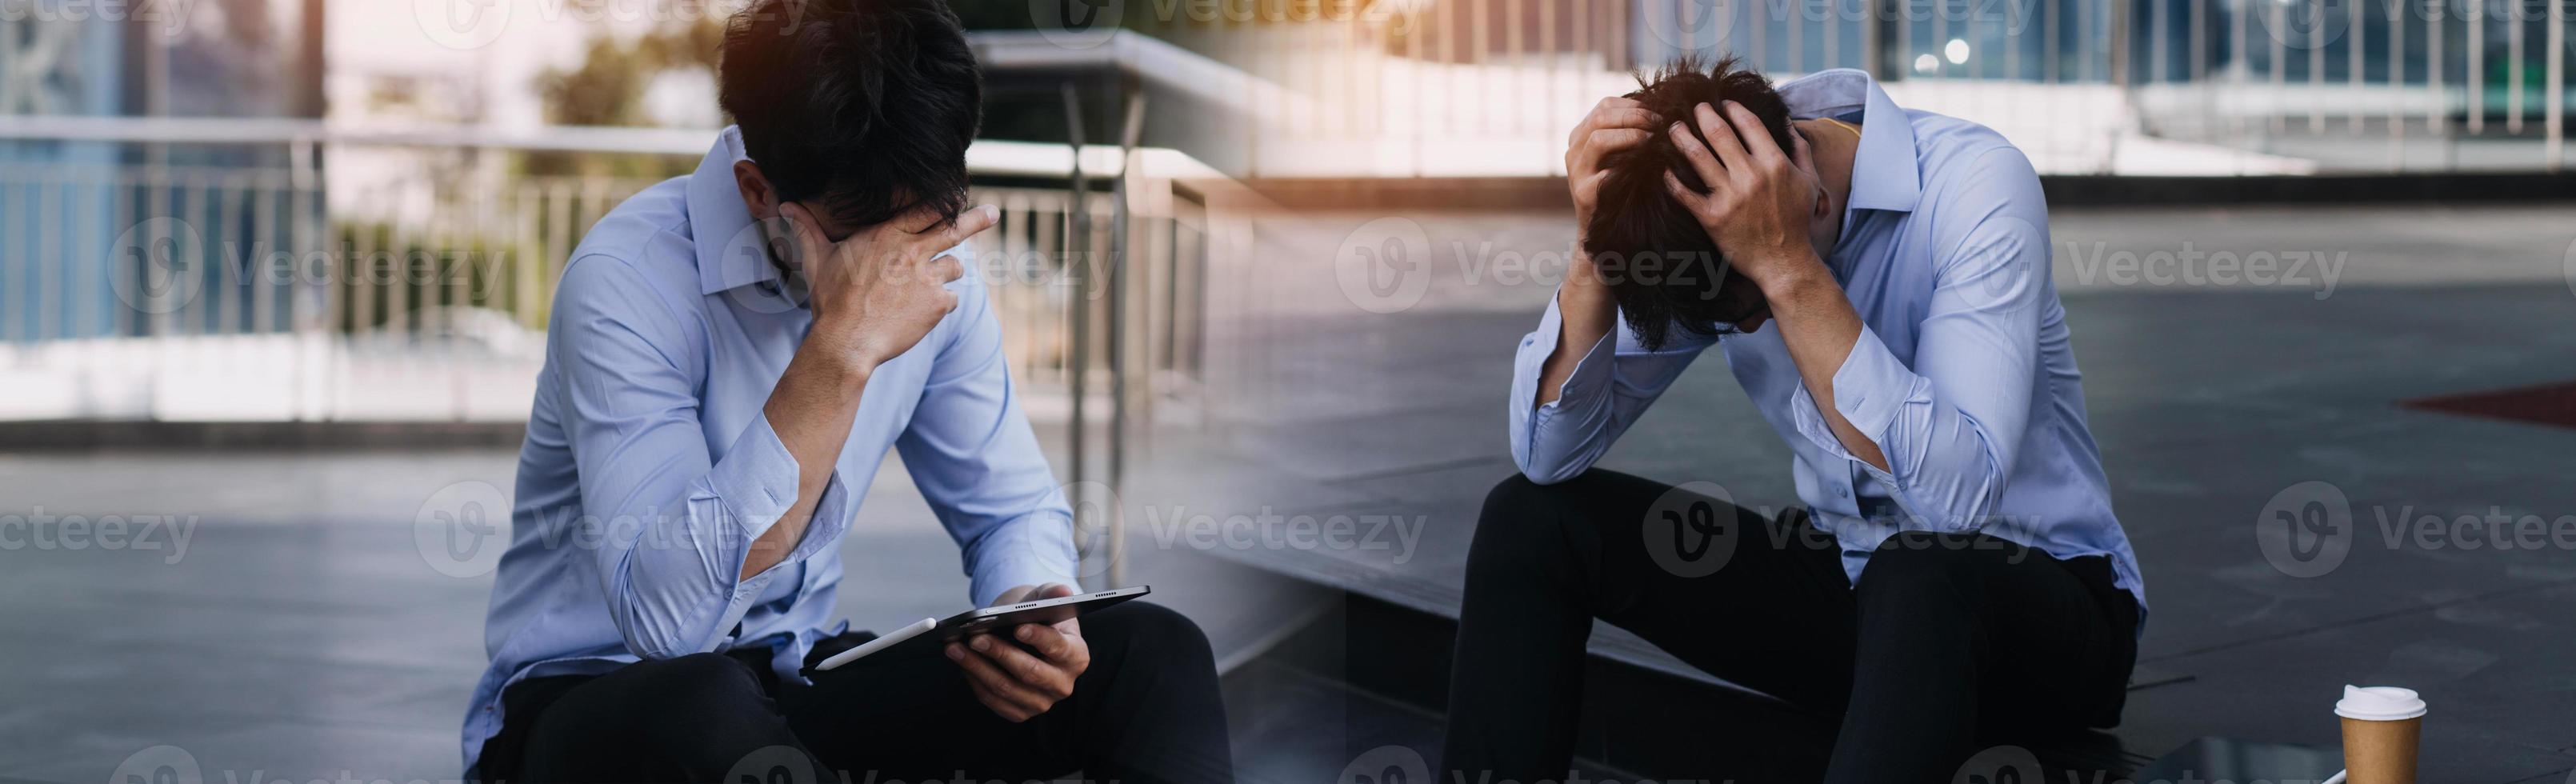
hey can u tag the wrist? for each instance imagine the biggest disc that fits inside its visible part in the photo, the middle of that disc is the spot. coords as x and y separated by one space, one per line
1790 273
1578 267
849 362
848 373
1583 288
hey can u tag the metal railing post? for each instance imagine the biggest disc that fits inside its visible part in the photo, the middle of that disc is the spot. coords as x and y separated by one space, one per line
2555 125
2477 66
1077 245
1873 38
1119 247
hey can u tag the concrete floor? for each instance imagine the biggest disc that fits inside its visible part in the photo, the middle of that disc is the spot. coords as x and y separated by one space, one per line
289 624
304 635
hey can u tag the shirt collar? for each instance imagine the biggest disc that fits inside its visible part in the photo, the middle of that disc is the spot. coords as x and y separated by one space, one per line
731 251
1885 172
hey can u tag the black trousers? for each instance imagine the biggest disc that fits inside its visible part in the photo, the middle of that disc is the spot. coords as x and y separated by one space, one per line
1947 639
1147 710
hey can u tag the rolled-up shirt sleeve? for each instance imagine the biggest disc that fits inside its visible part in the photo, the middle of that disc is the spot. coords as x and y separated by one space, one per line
970 450
668 526
1613 383
1951 425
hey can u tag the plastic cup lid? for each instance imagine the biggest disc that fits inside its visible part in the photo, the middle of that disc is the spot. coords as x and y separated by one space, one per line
2379 703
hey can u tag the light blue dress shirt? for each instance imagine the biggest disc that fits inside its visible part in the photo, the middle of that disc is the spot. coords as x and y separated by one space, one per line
649 467
1963 374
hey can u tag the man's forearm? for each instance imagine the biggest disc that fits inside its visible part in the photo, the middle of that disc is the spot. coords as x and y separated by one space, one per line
1586 313
1818 325
810 409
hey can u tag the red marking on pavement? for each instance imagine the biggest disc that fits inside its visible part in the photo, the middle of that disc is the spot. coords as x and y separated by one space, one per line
2546 404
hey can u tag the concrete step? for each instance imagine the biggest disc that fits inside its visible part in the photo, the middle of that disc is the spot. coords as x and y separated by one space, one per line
1374 675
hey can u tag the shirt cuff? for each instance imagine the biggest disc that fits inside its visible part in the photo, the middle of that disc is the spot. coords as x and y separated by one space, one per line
757 483
1869 389
1033 550
1872 386
1591 373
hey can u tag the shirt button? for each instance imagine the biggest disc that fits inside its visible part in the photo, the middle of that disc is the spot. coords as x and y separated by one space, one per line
1842 492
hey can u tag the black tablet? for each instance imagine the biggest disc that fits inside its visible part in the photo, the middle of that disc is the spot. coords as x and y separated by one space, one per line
929 635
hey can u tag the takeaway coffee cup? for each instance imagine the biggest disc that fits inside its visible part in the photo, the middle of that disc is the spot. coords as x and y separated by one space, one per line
2380 727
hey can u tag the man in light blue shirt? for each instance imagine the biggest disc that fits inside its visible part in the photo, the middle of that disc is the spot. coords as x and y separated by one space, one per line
1956 571
730 356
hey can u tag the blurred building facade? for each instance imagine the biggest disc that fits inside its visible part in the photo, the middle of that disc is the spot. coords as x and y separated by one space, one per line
75 194
248 210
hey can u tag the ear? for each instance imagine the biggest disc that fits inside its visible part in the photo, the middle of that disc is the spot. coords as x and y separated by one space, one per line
1804 157
756 193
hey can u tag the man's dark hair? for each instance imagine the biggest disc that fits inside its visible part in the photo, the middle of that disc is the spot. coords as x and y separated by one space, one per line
866 105
1661 266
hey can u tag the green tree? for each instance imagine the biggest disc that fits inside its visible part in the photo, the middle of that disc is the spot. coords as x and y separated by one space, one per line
608 87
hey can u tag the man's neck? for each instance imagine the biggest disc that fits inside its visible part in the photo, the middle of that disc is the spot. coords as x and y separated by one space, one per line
1834 147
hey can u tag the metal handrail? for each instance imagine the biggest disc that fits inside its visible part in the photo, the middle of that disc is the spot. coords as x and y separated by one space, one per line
408 260
1491 87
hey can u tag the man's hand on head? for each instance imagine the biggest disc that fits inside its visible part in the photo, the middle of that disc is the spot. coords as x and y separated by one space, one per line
875 294
1614 124
879 291
1028 673
1759 199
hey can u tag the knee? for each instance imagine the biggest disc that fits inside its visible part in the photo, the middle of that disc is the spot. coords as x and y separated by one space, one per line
657 703
1142 630
699 685
1521 520
1516 493
1920 570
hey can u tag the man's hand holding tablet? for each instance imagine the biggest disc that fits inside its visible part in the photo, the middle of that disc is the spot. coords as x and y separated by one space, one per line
1024 680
